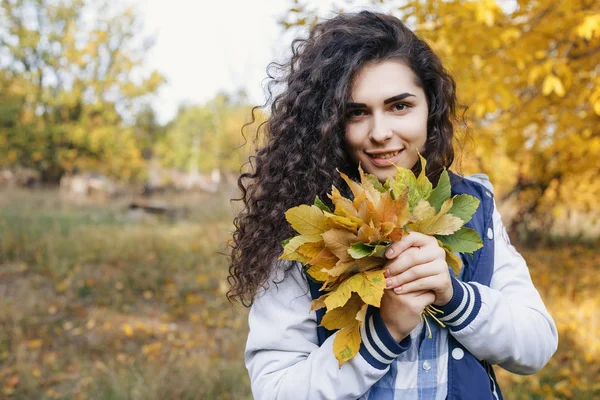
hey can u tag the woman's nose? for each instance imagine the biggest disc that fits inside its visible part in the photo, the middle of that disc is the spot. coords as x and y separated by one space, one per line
380 130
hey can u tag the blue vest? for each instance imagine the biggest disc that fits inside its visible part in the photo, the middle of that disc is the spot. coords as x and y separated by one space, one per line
468 378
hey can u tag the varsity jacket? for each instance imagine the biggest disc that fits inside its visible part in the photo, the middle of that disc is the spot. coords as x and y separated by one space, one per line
495 316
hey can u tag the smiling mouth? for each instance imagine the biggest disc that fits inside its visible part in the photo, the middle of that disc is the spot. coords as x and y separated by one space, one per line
385 160
385 156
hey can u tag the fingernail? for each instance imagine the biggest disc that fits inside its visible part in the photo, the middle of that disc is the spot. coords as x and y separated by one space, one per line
388 283
386 273
389 253
398 289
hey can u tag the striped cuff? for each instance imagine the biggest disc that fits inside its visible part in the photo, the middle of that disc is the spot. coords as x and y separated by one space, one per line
463 307
378 346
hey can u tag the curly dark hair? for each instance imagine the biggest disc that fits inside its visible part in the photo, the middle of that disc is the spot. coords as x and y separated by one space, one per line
304 136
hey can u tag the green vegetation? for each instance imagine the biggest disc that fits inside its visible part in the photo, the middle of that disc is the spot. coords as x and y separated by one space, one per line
97 305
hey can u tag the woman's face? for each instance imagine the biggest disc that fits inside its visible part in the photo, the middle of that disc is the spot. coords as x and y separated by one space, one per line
387 119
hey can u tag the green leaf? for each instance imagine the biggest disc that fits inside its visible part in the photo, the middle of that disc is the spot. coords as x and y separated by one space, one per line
442 191
373 179
322 206
285 242
464 206
380 250
360 250
405 179
423 185
465 240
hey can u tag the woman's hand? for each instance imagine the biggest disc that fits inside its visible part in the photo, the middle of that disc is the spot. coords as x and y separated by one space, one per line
401 313
417 264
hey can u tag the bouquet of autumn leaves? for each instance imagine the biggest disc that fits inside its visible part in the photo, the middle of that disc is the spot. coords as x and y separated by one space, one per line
344 249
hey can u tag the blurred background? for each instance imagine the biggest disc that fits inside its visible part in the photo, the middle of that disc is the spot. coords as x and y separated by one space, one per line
120 145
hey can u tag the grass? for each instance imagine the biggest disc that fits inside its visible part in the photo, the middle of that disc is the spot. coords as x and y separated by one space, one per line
99 303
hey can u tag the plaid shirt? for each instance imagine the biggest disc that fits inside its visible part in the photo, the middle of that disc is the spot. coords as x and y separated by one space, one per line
421 372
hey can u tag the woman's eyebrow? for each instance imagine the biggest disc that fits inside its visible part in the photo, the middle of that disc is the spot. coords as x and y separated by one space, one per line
386 101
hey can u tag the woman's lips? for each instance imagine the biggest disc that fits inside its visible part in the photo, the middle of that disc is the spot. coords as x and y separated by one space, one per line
385 162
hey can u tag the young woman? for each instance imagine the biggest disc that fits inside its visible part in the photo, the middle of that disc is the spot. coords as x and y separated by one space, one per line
363 89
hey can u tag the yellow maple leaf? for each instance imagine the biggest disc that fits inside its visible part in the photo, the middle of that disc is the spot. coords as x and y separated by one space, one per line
308 221
290 250
366 197
368 234
348 266
347 342
423 210
368 285
325 259
366 210
318 303
453 261
318 272
343 206
385 209
311 250
387 228
338 241
343 221
440 224
352 266
342 316
362 314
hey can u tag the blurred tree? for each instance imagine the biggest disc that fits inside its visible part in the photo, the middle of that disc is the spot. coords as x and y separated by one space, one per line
210 136
148 130
70 77
529 71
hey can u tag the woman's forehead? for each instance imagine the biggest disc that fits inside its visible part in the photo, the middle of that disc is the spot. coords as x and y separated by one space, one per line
382 80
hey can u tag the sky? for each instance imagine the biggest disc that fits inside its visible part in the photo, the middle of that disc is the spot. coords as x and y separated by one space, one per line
203 47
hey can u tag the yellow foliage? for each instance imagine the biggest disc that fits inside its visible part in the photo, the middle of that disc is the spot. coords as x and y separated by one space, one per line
128 330
347 342
553 84
368 285
528 73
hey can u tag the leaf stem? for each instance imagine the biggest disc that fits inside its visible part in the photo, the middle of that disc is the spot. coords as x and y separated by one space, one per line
434 317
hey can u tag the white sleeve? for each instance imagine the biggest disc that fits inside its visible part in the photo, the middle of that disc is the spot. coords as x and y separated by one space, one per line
507 322
284 360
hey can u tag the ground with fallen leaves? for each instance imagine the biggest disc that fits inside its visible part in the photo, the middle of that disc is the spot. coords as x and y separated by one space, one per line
100 303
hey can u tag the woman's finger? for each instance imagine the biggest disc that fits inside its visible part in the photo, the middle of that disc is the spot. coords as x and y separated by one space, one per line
407 259
435 283
416 272
413 256
413 239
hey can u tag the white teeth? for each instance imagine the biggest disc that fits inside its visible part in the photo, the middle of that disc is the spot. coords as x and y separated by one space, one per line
385 155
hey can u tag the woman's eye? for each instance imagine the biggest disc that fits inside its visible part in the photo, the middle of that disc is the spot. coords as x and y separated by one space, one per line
355 113
400 106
